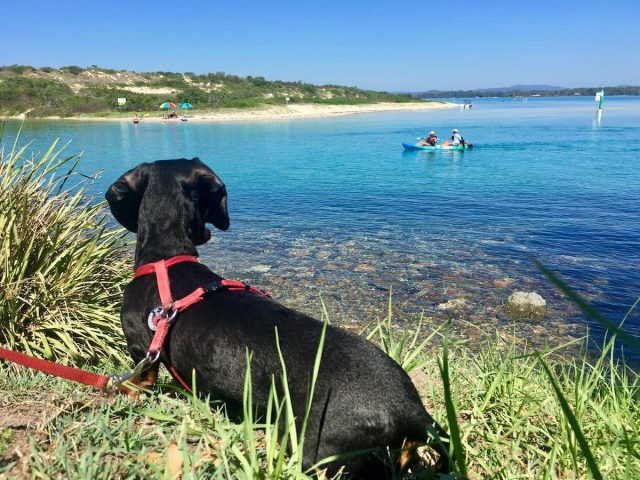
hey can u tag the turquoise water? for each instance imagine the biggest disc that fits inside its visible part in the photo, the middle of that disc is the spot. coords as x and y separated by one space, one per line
334 207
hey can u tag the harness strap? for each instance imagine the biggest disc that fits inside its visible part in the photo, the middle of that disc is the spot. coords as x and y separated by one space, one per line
164 288
148 268
162 330
177 376
185 302
235 286
170 308
70 373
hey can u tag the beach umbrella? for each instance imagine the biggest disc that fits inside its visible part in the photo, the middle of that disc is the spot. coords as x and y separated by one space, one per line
186 105
168 105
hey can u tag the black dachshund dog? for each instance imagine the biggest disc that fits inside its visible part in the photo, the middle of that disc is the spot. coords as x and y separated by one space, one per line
363 400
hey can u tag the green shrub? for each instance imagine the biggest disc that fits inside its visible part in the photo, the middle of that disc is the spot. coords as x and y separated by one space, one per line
85 105
61 267
18 69
18 94
194 95
73 69
109 71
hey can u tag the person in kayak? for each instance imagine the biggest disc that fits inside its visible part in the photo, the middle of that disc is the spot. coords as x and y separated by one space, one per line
456 138
431 140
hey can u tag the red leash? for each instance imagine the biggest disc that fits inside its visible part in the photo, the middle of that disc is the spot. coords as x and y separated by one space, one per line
81 376
160 320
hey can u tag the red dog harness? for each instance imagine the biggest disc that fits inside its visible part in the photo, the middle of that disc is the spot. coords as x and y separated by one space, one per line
160 320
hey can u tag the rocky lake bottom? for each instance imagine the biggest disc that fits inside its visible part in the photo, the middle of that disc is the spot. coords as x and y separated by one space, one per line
355 277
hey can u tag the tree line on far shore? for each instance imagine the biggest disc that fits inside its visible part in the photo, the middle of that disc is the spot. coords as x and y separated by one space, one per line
502 93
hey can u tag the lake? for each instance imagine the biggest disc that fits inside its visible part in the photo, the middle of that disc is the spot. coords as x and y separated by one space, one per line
335 209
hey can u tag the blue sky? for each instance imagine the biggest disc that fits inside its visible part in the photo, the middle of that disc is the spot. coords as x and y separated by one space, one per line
391 45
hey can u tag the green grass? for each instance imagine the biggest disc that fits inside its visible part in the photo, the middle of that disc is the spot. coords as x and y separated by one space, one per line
518 414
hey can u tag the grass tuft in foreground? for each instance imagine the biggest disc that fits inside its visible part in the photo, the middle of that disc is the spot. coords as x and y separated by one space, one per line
61 266
524 414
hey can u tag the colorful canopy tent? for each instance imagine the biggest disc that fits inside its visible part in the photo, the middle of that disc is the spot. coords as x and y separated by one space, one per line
186 105
168 105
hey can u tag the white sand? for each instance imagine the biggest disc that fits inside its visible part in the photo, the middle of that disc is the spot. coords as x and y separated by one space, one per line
274 112
302 111
150 90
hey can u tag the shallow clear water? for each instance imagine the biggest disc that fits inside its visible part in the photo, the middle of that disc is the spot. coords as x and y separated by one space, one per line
334 207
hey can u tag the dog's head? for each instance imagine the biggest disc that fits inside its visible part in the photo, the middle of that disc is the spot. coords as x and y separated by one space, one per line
183 194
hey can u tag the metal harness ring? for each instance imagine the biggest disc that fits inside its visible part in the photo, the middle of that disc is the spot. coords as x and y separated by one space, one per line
159 312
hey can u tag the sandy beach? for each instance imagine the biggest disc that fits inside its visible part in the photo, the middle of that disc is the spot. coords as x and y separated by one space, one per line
269 112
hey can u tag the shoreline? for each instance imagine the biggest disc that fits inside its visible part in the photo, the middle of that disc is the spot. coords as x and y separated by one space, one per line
271 112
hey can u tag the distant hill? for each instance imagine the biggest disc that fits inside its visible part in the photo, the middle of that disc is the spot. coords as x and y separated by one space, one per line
520 88
527 91
73 90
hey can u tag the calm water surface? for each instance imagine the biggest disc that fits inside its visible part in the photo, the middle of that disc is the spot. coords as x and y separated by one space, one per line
335 208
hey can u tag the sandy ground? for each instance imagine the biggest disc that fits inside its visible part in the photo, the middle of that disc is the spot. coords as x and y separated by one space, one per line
274 112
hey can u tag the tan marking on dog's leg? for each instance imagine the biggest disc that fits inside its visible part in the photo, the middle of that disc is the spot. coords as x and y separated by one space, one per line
144 381
408 454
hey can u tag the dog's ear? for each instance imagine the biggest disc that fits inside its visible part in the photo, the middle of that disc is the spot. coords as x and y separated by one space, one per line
213 195
125 196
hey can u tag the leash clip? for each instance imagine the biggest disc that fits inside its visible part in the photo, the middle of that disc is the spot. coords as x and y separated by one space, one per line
158 313
142 366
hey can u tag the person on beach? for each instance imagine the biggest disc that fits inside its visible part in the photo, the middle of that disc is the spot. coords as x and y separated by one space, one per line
456 138
431 140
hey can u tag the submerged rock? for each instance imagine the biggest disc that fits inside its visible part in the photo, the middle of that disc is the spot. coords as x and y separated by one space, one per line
260 269
525 305
502 282
453 305
364 268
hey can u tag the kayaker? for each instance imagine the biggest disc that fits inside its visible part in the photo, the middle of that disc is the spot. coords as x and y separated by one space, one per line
431 140
456 138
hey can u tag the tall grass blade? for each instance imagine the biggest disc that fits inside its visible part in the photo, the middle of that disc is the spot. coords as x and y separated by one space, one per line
573 422
314 380
452 419
290 418
248 420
